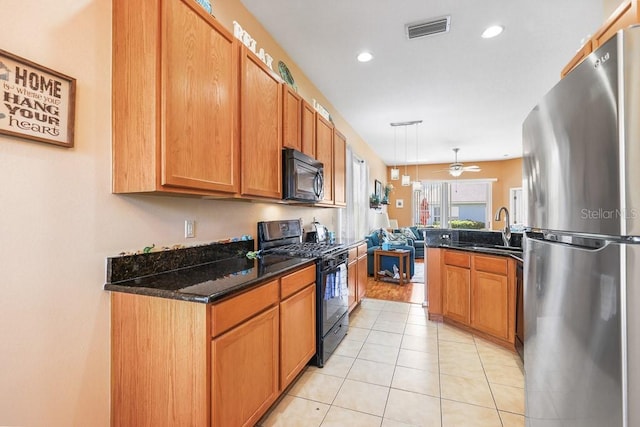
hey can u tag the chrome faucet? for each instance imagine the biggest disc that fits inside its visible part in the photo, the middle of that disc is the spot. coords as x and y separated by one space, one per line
506 231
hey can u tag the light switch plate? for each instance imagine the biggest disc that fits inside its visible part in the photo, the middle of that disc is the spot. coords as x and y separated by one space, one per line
189 228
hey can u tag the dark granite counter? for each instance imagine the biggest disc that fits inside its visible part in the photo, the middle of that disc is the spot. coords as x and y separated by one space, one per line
487 242
173 274
516 253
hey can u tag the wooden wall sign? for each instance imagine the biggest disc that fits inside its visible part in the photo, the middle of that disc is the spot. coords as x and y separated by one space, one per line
35 102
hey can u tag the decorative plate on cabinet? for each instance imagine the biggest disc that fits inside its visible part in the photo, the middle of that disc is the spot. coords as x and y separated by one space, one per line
286 75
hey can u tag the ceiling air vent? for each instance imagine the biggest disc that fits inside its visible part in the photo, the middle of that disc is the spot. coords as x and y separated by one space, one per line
428 28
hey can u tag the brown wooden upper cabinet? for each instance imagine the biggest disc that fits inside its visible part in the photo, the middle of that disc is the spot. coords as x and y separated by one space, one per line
339 169
173 131
324 153
308 129
261 129
625 15
291 118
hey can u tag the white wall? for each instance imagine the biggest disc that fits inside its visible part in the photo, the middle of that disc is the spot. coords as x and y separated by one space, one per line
59 221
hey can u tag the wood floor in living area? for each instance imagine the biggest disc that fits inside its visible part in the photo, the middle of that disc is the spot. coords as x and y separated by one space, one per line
412 292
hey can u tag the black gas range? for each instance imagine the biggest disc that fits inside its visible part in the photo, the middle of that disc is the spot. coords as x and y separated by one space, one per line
332 295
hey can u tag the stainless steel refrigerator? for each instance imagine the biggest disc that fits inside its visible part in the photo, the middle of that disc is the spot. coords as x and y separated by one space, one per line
581 166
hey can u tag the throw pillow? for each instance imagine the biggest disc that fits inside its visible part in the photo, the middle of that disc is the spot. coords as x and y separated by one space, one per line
373 238
416 233
395 239
406 231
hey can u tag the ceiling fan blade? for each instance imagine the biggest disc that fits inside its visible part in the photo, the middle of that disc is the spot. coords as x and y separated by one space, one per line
473 168
440 170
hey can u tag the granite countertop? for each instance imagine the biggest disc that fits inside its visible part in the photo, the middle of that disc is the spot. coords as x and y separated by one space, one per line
515 253
204 273
213 281
480 241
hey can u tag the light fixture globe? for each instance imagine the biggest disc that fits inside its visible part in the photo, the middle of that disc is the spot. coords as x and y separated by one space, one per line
395 174
455 170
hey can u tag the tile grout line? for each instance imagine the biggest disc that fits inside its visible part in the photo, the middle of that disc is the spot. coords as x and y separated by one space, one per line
475 344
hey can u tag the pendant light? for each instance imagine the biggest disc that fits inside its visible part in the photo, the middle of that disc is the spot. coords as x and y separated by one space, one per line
417 185
395 172
406 179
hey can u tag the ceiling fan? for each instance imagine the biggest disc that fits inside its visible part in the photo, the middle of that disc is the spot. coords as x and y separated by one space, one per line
456 168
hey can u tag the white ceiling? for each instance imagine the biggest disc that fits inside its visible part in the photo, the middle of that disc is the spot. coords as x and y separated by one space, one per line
470 92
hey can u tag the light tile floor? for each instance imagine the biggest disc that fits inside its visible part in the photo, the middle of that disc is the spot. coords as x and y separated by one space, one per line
395 368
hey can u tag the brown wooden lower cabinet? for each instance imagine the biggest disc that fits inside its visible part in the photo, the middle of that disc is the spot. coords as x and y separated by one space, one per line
433 282
244 381
357 275
184 363
457 284
473 291
362 273
490 304
297 333
352 283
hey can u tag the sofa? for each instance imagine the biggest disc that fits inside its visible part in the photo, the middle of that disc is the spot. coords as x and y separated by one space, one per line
418 242
374 242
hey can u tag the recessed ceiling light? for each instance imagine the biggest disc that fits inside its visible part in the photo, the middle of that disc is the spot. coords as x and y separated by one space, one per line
365 56
492 31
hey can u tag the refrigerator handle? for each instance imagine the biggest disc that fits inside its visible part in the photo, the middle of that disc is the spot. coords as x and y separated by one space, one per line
583 242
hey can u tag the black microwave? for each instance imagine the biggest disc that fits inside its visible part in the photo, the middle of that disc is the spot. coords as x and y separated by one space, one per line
302 177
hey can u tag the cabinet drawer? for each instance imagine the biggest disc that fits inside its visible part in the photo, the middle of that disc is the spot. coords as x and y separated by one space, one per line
490 264
362 250
233 311
459 259
292 283
353 254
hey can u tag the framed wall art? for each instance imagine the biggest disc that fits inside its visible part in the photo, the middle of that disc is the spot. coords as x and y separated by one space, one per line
399 203
377 189
37 103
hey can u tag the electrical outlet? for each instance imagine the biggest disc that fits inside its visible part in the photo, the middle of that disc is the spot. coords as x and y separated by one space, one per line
189 228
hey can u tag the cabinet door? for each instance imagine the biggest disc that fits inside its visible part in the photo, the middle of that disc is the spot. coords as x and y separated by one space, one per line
626 14
352 283
362 278
245 371
261 130
456 293
308 129
434 281
291 118
324 153
199 102
297 333
490 304
339 169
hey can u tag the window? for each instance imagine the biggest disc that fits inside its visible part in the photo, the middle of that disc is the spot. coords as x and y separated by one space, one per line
453 204
353 219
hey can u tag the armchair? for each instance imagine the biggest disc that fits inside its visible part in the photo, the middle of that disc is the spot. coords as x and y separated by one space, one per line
374 243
